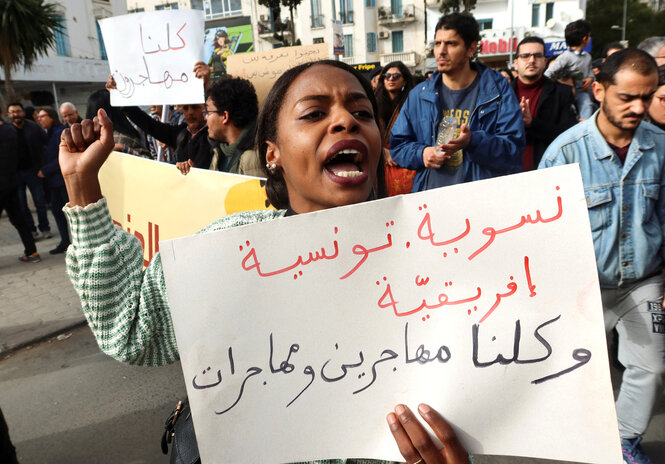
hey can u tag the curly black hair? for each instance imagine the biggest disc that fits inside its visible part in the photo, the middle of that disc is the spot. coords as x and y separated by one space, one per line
237 96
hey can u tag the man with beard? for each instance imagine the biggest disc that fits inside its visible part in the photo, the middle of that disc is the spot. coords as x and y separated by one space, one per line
31 141
623 170
464 123
548 107
9 202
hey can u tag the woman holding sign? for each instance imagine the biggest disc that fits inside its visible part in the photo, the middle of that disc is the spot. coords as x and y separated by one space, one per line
319 138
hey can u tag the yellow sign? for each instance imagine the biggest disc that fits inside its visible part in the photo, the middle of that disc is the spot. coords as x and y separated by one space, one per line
155 202
264 68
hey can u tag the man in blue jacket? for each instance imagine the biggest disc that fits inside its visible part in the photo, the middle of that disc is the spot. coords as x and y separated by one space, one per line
489 136
623 171
50 171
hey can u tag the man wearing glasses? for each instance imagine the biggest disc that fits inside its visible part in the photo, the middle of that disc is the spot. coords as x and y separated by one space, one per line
464 123
536 92
230 111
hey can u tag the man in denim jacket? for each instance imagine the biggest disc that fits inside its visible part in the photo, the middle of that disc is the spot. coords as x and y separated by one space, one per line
489 137
622 160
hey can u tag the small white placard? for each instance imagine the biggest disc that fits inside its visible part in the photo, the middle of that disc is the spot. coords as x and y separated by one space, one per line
152 55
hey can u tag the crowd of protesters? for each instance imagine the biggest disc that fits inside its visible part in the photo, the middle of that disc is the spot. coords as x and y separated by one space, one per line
608 116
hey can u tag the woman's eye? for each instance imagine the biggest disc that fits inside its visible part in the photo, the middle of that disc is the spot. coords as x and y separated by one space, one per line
363 114
313 115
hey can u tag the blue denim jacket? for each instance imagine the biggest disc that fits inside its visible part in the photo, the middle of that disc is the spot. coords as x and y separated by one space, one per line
626 203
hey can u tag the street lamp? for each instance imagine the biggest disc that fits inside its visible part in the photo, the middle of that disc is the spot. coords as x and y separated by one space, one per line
622 28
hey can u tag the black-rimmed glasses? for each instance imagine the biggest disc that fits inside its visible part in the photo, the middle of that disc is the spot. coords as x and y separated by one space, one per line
527 56
206 111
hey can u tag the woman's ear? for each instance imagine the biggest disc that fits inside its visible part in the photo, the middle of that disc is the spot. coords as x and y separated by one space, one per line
272 154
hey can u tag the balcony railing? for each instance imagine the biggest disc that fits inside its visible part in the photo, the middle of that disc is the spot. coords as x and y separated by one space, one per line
408 58
346 16
396 16
317 20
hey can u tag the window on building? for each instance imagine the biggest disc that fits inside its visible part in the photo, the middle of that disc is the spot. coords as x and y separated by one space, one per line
348 45
167 6
61 38
100 39
197 4
221 8
484 24
136 10
346 11
549 11
317 16
396 8
535 15
318 40
370 3
398 41
371 42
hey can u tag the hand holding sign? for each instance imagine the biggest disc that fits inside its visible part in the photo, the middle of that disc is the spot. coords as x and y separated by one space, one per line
415 444
466 309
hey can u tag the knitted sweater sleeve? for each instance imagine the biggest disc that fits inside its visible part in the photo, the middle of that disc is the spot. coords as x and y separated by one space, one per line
125 306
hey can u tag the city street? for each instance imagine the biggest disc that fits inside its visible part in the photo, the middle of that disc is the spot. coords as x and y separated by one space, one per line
67 402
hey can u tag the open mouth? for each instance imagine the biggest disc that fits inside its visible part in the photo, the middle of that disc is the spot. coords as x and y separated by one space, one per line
345 163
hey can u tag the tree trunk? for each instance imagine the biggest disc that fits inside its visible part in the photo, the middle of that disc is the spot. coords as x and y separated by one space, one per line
293 27
9 89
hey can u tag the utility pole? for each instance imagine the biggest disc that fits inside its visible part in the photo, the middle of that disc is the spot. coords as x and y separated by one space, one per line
425 11
334 17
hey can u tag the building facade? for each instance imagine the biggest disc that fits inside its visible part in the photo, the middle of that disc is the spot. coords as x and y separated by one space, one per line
77 65
374 31
379 31
505 22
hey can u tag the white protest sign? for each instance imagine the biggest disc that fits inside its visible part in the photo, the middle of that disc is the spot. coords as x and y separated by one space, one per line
298 335
152 56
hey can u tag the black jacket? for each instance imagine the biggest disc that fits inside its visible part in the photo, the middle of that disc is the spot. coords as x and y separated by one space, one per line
196 148
35 140
555 113
8 157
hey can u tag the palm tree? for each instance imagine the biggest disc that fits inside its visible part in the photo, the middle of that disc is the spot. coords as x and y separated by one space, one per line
27 31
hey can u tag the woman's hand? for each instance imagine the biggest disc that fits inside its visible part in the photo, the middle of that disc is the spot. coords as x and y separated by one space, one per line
415 444
83 149
387 158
